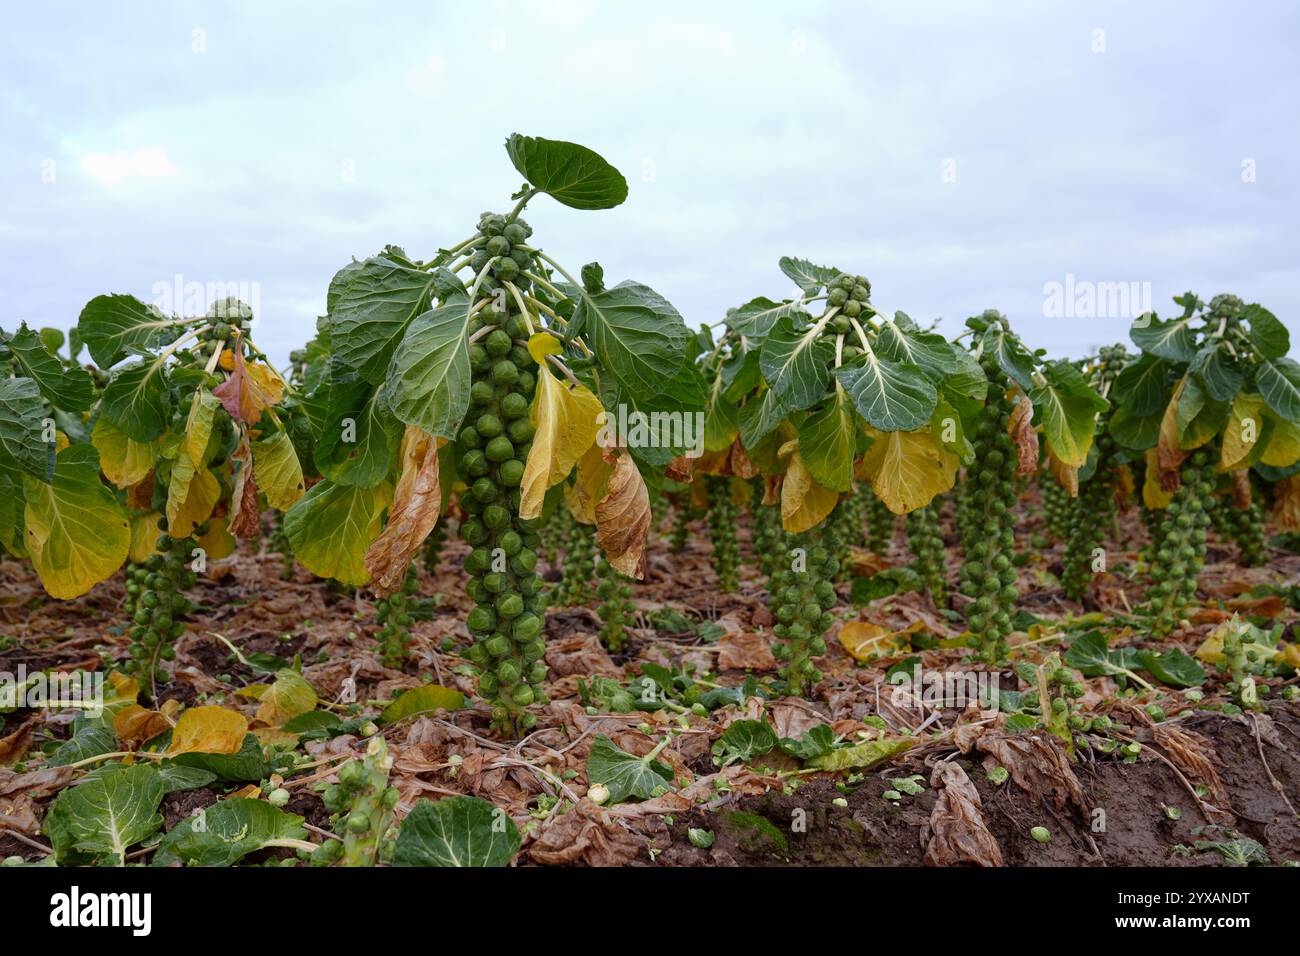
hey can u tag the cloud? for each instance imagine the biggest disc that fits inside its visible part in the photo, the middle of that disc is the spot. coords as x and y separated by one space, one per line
113 169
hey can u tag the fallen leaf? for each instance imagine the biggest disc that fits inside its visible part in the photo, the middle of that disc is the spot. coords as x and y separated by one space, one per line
209 730
745 652
958 831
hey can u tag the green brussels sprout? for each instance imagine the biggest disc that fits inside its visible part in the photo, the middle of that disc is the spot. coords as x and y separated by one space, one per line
499 449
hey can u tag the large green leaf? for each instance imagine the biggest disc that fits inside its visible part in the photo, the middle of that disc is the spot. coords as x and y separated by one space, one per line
76 533
807 275
356 437
456 831
721 419
1066 407
1143 386
759 416
636 333
230 830
756 317
1278 380
1174 340
1011 355
115 326
136 400
249 764
828 441
569 173
624 774
1269 336
371 313
428 384
742 741
105 816
67 388
794 362
901 342
1218 370
331 527
891 396
1138 432
22 430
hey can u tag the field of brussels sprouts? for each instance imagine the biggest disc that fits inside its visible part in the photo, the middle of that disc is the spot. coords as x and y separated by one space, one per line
514 565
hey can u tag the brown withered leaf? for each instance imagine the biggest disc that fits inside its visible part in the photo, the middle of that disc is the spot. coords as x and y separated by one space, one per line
742 466
249 389
1020 426
139 497
1195 756
680 469
772 489
15 745
35 783
1066 475
623 516
1241 488
1169 450
958 833
1286 503
745 652
1038 765
417 499
135 726
246 522
586 834
581 654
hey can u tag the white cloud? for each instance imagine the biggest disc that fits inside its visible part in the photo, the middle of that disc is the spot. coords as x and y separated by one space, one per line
112 169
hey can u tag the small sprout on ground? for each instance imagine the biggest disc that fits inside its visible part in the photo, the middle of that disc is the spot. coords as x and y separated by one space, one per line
701 838
909 785
1131 751
892 795
278 797
1290 692
840 802
998 776
1155 712
1173 813
1041 834
598 794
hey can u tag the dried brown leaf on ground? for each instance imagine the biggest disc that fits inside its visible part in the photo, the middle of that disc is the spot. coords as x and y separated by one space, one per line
958 833
1195 756
14 746
18 813
744 652
35 783
586 834
1038 765
580 654
417 499
792 716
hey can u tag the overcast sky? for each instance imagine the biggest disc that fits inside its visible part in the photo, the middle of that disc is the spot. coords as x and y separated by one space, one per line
960 155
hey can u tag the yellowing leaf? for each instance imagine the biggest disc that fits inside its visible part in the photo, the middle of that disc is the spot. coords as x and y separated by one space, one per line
218 543
623 516
123 460
250 389
288 697
144 534
866 641
331 527
1286 503
209 730
593 477
1067 476
191 498
75 533
565 417
1243 432
907 469
805 502
279 473
1153 495
1283 448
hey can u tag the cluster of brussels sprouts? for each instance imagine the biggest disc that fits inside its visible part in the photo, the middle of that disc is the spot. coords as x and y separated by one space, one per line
1178 551
835 537
850 296
156 596
1243 526
615 607
1089 518
988 575
1063 691
1056 507
579 564
722 533
880 525
803 596
502 244
278 543
361 807
225 318
493 446
925 541
394 613
1240 659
